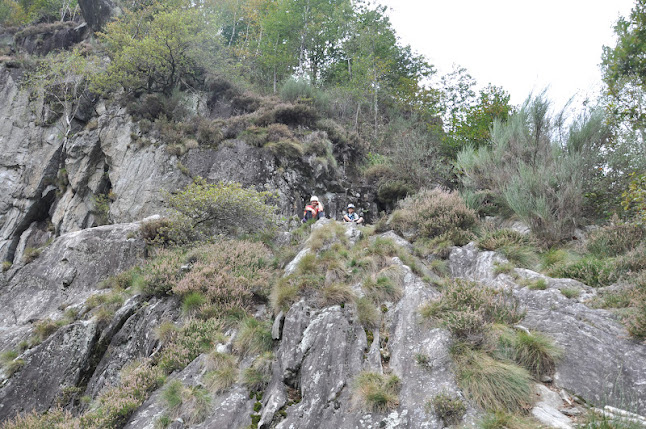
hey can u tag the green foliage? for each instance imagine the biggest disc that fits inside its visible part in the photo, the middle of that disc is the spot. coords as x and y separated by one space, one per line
492 384
337 294
589 270
571 292
188 342
535 352
449 409
258 375
192 302
624 66
55 418
19 12
539 179
6 265
203 210
634 198
376 392
614 240
516 247
30 254
154 48
223 372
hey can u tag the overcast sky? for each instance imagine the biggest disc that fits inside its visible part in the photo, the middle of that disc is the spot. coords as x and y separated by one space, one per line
521 45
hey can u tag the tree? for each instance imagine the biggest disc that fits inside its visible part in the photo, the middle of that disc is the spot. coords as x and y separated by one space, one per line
61 81
624 67
154 48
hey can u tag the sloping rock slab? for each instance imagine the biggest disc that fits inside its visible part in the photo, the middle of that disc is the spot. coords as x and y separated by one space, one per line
57 363
600 362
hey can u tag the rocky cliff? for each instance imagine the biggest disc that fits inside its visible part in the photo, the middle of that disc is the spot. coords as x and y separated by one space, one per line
73 332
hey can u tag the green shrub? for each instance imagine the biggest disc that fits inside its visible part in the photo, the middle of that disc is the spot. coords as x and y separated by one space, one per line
188 342
384 288
45 328
535 284
153 231
286 149
450 410
376 392
289 114
504 268
203 210
554 257
30 254
6 265
636 323
633 199
284 293
614 240
254 337
114 405
192 302
432 213
492 384
172 395
162 272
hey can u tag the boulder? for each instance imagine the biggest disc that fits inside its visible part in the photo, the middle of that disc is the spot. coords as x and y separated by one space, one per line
97 13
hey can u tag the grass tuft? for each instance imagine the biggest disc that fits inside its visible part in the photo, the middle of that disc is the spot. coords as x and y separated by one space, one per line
254 337
450 410
368 313
376 392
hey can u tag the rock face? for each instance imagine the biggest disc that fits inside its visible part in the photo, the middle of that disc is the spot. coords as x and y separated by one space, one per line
600 362
97 13
45 38
62 277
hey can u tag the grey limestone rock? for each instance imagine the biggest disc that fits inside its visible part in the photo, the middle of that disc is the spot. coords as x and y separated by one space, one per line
600 362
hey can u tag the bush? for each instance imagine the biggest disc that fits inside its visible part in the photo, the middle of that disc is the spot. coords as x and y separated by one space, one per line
504 420
539 179
55 418
153 231
614 240
571 292
286 149
289 114
450 410
188 342
433 213
228 274
492 384
161 273
375 392
383 288
203 210
516 247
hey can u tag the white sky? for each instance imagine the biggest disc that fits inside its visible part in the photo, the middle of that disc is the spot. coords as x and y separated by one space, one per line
521 45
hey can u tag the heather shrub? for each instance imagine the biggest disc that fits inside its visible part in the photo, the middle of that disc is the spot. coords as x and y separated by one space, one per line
188 342
55 418
152 231
375 392
114 406
289 114
162 272
432 213
614 240
228 274
286 149
203 210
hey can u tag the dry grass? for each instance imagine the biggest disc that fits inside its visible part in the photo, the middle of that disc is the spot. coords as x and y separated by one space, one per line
375 392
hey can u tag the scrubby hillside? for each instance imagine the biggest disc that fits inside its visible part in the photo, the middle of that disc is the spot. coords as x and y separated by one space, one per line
156 157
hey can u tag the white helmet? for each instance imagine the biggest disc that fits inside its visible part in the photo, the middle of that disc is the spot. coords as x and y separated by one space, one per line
351 206
314 198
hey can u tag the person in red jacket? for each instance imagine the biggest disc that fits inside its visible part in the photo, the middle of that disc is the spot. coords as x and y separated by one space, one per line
314 210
